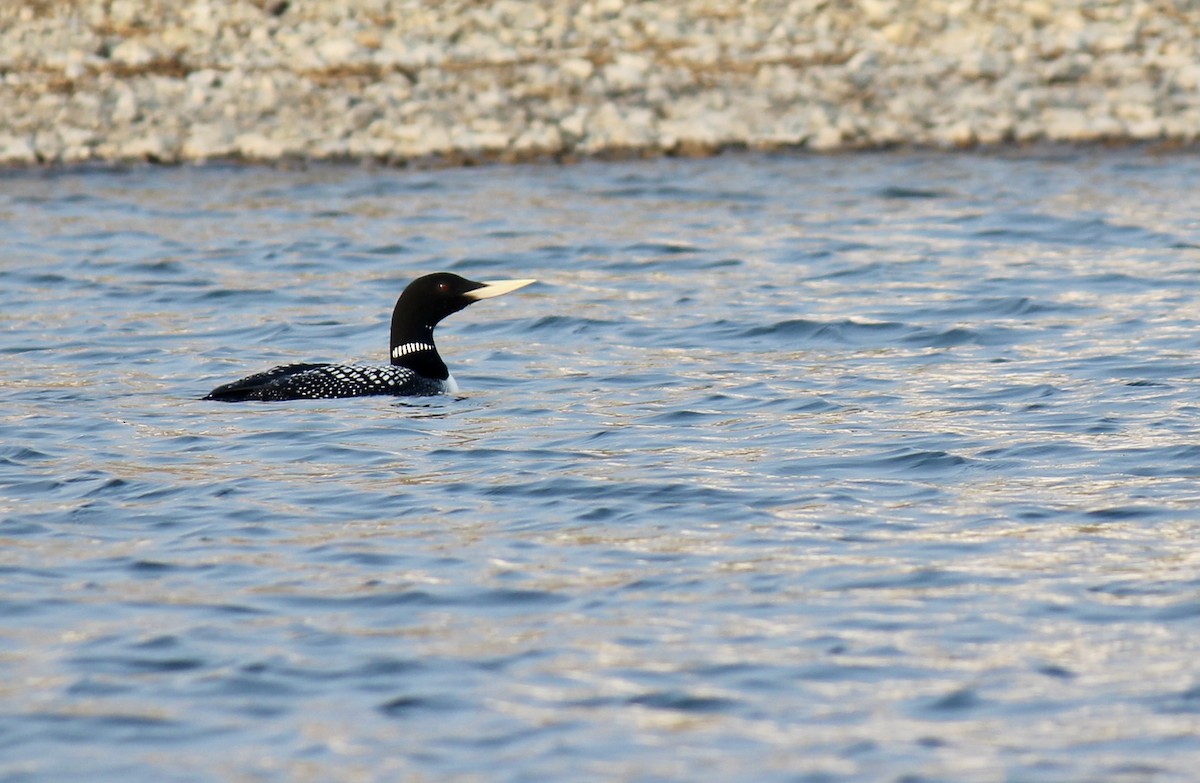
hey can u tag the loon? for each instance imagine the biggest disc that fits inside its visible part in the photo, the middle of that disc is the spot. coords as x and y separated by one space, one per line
416 367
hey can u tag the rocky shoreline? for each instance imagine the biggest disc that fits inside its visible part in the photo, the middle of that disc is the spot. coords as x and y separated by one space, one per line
464 81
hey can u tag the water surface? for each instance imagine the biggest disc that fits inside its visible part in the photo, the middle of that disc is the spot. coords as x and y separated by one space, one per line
848 468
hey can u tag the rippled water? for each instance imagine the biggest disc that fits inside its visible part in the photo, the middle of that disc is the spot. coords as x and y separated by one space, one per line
850 468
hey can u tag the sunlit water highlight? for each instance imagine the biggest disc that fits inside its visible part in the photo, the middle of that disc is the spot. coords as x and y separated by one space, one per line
858 468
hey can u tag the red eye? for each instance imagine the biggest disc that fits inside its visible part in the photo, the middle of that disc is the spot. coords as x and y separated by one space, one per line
443 287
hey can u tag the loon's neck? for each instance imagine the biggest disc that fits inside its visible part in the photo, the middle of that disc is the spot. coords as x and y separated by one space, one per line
420 356
412 343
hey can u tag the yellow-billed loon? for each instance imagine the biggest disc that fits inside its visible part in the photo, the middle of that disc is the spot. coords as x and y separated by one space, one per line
416 367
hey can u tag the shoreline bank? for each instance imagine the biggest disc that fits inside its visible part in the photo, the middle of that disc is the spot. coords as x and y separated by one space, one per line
399 82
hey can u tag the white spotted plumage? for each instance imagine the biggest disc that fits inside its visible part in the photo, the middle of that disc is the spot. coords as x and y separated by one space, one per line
326 381
353 380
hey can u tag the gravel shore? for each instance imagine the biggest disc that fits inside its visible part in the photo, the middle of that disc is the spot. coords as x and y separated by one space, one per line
462 81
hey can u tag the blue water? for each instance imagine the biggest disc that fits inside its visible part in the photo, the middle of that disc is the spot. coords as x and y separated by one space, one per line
854 468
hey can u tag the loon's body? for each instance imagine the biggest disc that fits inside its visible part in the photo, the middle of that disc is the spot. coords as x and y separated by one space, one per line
416 367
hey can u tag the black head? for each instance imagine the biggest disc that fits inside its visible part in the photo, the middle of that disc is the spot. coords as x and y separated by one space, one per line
425 302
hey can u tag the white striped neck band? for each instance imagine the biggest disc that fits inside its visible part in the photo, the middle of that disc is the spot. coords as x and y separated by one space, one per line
407 348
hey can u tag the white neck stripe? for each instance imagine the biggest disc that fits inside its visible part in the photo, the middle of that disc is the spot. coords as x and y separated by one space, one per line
407 348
